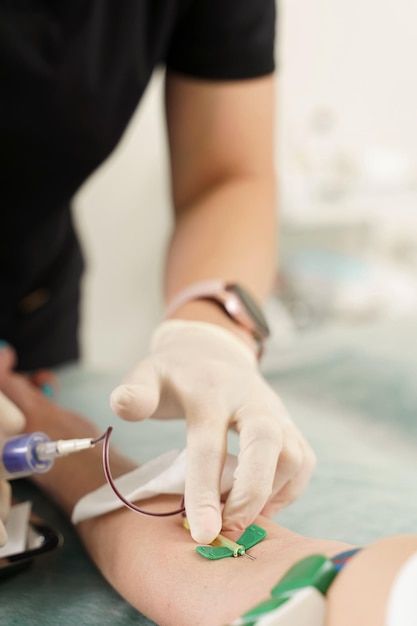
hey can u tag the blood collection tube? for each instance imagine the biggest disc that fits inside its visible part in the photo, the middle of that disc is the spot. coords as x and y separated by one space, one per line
34 453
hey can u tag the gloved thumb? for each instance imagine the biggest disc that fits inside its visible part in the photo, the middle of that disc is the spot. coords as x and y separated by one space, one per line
5 500
139 397
3 535
12 420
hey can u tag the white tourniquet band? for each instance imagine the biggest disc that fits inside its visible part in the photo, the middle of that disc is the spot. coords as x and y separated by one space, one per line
402 601
164 474
306 607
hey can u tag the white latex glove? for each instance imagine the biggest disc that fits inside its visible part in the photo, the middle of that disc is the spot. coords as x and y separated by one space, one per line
208 374
12 422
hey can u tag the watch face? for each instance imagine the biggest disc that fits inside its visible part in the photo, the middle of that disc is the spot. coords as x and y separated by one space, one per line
253 309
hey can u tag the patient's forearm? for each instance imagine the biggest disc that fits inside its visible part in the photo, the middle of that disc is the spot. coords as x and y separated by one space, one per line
152 561
153 564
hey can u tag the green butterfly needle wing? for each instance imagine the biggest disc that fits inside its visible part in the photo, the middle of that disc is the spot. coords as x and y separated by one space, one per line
214 552
252 535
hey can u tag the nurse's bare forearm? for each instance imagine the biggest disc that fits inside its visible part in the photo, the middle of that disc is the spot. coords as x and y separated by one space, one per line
221 142
228 232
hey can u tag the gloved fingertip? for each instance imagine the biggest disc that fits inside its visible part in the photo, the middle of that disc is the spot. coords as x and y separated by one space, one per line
5 500
236 519
134 402
121 400
207 526
3 535
13 420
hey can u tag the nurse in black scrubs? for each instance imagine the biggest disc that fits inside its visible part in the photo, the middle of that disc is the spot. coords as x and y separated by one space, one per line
71 75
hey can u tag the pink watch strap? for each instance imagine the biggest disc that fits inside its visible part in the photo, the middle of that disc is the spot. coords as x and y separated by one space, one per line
218 290
204 289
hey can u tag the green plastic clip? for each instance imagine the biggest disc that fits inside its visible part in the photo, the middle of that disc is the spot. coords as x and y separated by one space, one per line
314 571
251 617
223 547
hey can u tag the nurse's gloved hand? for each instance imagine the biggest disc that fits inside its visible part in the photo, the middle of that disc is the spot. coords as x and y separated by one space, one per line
12 422
208 374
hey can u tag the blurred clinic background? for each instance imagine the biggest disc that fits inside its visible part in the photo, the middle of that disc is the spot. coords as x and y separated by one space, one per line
347 165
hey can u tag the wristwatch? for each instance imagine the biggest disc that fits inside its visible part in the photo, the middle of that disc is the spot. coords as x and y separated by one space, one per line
233 299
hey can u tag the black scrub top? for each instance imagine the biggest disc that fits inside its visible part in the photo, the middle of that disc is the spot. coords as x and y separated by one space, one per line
71 75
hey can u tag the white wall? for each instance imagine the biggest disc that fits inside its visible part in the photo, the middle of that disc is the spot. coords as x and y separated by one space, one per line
355 57
123 216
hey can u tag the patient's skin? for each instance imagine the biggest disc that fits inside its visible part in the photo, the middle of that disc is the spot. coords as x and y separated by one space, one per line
359 594
152 562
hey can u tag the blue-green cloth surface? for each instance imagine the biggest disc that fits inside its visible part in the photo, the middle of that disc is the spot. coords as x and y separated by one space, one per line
352 393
